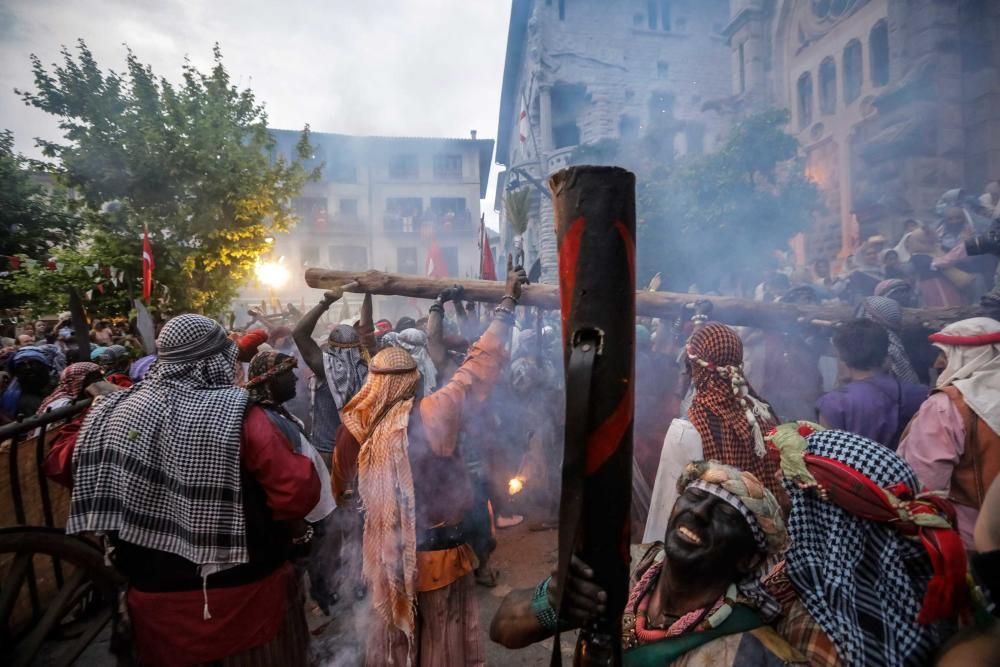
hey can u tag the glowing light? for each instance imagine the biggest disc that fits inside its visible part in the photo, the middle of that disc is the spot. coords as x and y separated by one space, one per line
515 485
272 274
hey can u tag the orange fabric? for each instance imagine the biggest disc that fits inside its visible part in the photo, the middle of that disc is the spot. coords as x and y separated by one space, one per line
441 411
982 444
440 568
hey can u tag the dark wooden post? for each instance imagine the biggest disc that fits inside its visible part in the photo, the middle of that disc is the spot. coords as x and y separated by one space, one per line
595 227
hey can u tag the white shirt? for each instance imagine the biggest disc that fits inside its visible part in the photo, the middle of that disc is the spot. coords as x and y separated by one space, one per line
681 445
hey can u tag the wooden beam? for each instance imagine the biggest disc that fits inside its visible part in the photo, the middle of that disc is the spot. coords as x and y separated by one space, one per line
666 305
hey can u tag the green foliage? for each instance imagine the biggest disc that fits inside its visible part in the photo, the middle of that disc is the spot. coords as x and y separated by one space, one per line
517 207
32 219
716 216
194 162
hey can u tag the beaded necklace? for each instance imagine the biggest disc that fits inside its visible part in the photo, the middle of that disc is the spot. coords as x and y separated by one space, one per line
694 621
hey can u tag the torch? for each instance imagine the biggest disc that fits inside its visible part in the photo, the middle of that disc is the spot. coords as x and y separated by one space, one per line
595 228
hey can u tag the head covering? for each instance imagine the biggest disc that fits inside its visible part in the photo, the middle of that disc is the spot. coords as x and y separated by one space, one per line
96 352
110 357
70 383
414 341
728 415
889 315
344 364
972 348
378 417
51 355
404 323
382 327
758 506
263 367
887 287
853 559
160 462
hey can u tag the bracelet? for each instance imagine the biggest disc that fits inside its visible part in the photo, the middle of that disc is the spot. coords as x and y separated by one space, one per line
505 315
511 297
437 307
544 612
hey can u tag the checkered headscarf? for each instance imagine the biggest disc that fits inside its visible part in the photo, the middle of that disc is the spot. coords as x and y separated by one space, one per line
728 415
863 581
160 462
344 364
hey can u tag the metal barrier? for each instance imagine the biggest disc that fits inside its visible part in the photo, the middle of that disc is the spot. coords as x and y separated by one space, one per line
35 501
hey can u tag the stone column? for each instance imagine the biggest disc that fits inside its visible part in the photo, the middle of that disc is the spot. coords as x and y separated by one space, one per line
545 142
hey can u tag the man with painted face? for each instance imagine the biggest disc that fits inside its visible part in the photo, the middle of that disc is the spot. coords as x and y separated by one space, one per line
696 598
35 376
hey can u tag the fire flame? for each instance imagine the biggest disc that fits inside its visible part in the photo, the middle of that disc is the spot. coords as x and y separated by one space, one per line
515 485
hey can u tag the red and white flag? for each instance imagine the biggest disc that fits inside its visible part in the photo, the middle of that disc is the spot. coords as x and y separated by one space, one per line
147 265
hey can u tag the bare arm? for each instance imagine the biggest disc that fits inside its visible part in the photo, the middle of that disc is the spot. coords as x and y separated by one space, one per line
302 333
435 331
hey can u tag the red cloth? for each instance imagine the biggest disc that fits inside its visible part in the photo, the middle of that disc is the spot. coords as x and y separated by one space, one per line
120 379
249 343
147 265
169 627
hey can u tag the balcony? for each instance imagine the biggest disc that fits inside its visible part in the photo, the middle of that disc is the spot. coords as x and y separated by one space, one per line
448 222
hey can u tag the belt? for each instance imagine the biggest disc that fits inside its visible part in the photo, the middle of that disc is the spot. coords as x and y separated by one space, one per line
440 538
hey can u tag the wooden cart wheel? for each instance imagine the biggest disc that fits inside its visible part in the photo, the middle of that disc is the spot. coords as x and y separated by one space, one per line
72 614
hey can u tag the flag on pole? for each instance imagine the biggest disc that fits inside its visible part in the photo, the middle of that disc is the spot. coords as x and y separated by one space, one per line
147 265
487 270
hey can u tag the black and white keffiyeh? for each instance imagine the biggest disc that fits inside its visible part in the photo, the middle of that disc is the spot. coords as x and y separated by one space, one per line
160 462
863 581
344 365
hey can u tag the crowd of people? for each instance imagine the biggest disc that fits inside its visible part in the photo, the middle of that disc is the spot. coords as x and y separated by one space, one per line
819 496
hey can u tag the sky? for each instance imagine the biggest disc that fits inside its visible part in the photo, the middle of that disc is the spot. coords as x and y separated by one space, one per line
391 67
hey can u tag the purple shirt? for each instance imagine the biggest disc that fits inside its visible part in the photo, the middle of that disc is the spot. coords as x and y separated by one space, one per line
878 408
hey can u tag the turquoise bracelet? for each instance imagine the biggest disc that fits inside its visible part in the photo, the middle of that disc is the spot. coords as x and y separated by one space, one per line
544 612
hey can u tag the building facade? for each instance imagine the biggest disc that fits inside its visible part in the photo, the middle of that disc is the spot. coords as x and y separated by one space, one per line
893 101
382 203
580 72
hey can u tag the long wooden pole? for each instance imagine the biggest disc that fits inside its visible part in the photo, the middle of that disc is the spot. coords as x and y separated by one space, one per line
731 310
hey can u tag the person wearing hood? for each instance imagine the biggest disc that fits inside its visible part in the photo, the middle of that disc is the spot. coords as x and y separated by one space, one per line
35 371
953 442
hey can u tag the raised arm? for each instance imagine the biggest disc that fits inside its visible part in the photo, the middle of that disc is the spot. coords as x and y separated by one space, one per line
302 333
435 329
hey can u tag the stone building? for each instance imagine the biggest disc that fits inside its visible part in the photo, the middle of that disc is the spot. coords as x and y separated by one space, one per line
579 72
381 203
893 101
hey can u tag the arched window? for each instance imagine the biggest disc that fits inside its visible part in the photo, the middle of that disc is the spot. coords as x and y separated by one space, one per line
853 71
827 87
805 90
878 49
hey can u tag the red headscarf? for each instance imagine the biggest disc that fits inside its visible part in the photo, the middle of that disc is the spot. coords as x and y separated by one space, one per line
728 415
70 383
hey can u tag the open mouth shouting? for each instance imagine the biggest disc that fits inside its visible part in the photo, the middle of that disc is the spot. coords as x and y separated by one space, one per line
688 535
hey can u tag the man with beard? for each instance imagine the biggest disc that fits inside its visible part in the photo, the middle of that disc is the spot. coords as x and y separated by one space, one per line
696 598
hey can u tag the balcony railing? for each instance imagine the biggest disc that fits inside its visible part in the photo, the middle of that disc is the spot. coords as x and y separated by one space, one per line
448 222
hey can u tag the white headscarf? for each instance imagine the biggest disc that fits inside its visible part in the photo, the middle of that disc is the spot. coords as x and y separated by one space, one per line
973 369
414 341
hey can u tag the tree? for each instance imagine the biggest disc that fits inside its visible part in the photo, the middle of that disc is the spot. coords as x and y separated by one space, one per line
33 220
718 216
193 162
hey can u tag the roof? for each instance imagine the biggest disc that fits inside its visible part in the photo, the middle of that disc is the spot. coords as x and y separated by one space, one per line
520 12
484 147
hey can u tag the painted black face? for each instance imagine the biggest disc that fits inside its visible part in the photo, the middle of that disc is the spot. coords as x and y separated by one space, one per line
32 375
708 537
283 386
89 380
